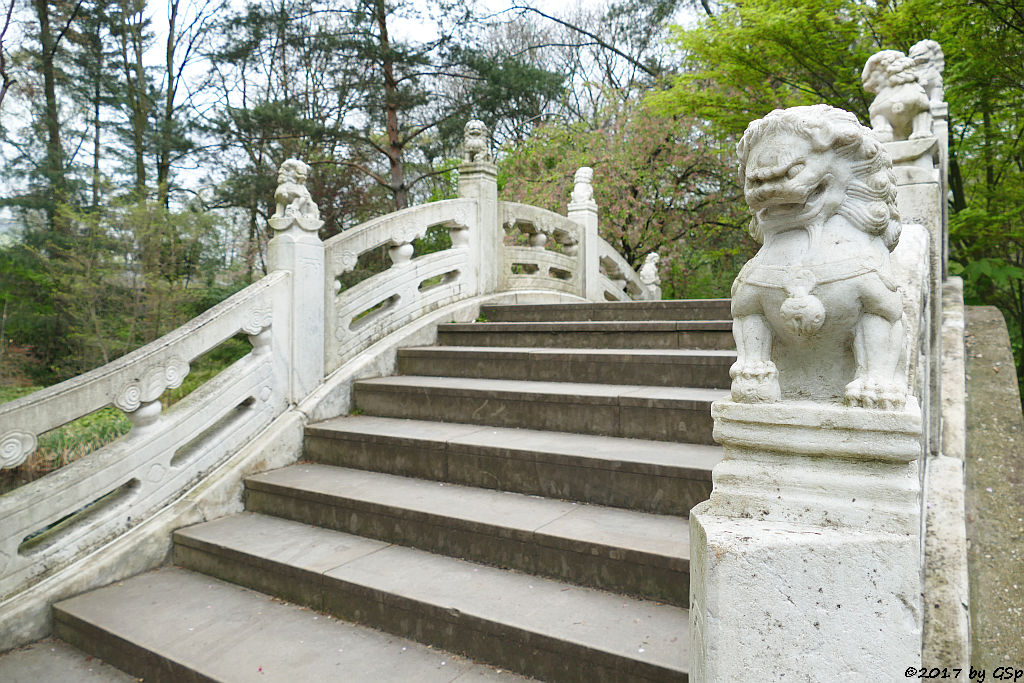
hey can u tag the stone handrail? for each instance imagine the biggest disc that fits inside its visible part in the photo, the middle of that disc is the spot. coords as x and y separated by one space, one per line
52 521
552 260
620 281
411 287
302 327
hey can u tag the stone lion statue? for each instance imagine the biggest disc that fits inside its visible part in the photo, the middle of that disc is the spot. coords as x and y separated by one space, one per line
474 145
816 313
901 109
930 62
292 196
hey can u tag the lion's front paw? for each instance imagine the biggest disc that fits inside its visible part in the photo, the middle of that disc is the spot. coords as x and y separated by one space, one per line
866 393
917 135
755 382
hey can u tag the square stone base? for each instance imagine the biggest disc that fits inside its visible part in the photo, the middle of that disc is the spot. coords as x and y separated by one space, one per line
778 601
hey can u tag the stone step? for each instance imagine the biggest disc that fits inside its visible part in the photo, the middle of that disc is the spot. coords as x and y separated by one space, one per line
173 625
536 626
619 550
653 367
678 309
652 476
640 412
54 661
654 334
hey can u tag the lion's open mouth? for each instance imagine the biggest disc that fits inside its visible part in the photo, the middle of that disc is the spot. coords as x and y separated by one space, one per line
809 205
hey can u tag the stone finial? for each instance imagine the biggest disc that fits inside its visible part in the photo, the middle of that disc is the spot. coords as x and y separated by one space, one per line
583 188
649 277
475 145
292 196
817 314
900 110
930 62
649 270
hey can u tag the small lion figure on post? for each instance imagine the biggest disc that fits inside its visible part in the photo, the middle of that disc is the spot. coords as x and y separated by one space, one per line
819 297
475 145
900 110
292 197
930 62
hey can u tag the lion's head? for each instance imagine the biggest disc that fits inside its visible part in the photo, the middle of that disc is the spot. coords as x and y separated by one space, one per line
928 53
887 68
292 171
803 165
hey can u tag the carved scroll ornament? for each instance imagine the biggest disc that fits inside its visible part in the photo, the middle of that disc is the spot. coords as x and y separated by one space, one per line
151 383
15 447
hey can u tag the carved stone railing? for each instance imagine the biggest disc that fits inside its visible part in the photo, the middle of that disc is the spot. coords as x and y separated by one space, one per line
412 286
52 521
562 254
551 260
303 325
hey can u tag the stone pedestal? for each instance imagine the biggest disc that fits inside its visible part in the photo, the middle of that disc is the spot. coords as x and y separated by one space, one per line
479 180
805 561
583 211
297 248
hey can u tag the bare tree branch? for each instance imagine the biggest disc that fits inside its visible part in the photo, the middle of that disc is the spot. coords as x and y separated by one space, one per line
7 80
597 39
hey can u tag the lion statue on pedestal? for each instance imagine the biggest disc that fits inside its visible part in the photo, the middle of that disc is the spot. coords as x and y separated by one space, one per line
474 143
817 306
292 197
900 110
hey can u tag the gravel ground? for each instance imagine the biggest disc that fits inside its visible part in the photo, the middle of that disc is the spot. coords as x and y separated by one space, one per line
995 493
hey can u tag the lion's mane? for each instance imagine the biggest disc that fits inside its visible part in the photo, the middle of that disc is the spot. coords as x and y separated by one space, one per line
870 203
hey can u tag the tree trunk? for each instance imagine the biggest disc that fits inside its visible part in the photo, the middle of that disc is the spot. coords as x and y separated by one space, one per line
51 121
394 150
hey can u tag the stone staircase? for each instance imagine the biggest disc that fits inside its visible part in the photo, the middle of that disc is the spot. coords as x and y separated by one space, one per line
517 495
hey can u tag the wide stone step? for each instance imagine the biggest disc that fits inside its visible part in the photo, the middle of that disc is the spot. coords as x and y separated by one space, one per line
173 625
54 661
678 309
611 548
540 627
654 334
652 476
640 412
654 367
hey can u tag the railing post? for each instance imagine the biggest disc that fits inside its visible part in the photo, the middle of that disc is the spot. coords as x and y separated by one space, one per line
583 210
296 248
478 179
806 559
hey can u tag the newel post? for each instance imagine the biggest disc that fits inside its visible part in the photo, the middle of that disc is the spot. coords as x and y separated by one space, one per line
296 248
583 210
806 559
478 179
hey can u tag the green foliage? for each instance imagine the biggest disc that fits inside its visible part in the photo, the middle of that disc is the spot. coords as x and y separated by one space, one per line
660 185
757 55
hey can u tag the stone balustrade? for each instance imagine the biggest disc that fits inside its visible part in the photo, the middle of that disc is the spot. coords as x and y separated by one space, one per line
53 521
303 326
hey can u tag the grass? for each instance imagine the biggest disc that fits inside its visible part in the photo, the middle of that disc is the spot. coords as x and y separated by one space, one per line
68 443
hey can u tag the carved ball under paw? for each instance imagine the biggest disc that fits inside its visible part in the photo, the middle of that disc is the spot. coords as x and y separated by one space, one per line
803 315
755 382
865 393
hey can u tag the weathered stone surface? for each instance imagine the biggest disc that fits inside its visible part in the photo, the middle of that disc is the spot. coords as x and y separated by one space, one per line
653 476
54 661
614 549
995 507
172 626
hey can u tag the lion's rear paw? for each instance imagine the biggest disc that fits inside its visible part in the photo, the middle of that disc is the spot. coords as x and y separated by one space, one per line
865 393
755 382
